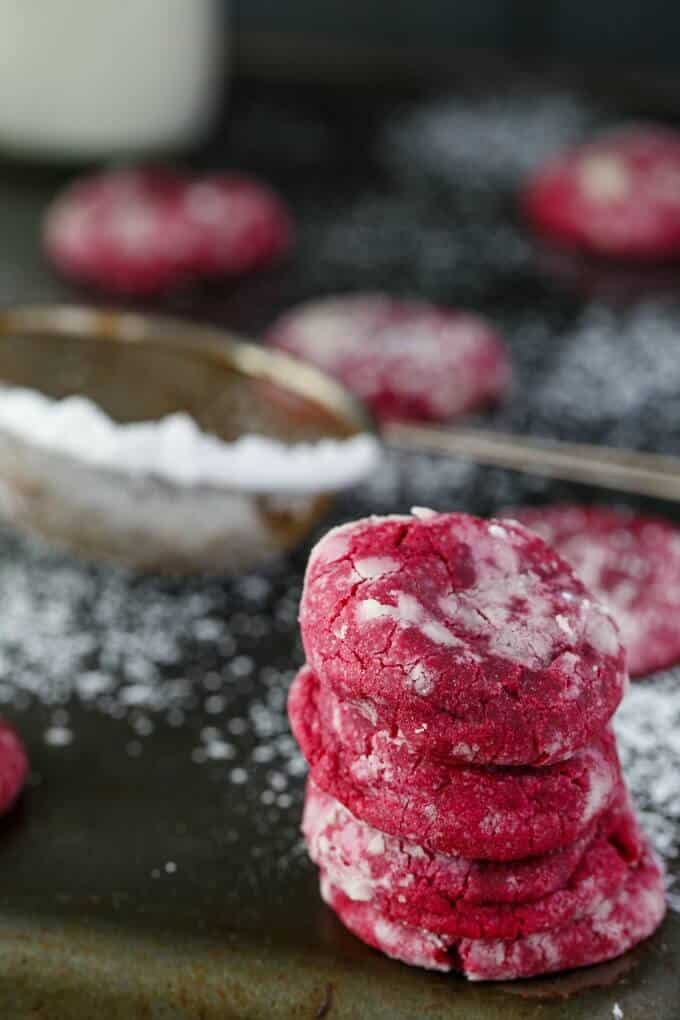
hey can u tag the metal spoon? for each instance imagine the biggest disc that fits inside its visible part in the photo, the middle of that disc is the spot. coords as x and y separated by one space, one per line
136 369
647 474
140 368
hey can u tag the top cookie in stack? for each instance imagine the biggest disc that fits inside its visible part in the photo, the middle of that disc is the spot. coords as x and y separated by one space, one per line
473 637
455 704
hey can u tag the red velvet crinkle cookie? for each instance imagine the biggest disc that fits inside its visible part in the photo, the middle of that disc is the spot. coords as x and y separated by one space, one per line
13 766
240 224
618 196
143 231
610 929
471 637
388 859
489 813
414 886
406 359
632 564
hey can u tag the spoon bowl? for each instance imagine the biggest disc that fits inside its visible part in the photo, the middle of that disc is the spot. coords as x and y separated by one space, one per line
142 369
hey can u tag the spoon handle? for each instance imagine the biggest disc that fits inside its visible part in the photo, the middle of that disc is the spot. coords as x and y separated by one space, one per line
647 474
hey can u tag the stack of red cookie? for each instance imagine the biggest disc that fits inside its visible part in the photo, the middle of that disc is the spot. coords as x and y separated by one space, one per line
466 807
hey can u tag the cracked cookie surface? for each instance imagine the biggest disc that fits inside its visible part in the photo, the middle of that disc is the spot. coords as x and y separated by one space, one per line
471 637
474 811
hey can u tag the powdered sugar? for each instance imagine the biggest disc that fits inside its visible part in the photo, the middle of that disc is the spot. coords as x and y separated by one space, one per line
405 358
399 240
648 731
175 448
419 946
407 612
532 635
148 660
376 844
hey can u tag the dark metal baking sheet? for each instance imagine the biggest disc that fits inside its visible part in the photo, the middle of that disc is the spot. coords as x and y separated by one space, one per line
154 867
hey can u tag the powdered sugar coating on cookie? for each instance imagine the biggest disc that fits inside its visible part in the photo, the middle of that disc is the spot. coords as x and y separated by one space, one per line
477 812
617 196
611 928
440 893
631 563
475 640
144 230
406 359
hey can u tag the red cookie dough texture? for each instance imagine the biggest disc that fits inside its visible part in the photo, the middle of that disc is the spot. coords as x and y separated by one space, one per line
610 929
618 196
144 231
472 637
413 885
497 814
465 806
406 359
631 563
13 766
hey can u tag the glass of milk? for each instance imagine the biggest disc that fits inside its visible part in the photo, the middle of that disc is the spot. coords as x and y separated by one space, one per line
89 79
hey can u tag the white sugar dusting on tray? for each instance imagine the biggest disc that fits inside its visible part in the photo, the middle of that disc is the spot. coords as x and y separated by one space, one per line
498 138
647 726
176 450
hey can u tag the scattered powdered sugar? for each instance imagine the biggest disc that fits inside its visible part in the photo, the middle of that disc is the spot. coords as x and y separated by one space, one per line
617 369
647 726
408 612
175 449
600 786
401 244
414 350
500 138
58 735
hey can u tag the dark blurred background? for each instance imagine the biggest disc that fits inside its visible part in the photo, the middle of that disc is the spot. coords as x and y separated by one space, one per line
605 35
